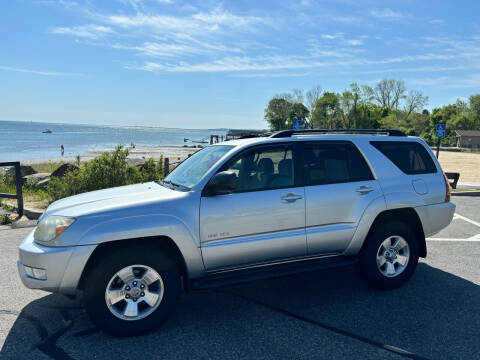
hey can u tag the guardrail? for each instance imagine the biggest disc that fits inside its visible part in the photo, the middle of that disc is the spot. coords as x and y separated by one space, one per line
18 183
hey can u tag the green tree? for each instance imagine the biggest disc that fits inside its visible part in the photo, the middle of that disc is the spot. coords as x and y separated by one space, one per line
277 113
297 111
474 110
327 111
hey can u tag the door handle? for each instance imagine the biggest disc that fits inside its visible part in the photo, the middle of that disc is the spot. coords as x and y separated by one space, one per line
364 189
291 197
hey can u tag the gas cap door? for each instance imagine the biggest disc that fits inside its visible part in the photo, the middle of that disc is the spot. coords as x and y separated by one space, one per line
420 186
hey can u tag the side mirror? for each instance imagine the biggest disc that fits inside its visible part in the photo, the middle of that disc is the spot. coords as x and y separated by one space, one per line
222 183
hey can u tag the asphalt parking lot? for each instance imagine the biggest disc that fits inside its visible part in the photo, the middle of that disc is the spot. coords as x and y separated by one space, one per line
329 314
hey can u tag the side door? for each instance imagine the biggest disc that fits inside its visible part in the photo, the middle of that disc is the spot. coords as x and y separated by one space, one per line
263 219
339 185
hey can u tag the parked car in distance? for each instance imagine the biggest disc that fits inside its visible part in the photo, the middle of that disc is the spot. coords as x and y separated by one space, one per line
238 211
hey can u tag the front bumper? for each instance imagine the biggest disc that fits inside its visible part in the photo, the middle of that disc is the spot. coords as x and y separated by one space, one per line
63 265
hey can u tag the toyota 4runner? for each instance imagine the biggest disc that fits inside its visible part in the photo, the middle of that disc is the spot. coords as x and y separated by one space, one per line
238 211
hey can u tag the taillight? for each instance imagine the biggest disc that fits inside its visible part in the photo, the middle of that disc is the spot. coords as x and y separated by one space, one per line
448 192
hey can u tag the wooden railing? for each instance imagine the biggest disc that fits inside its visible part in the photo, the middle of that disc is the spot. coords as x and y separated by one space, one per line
18 184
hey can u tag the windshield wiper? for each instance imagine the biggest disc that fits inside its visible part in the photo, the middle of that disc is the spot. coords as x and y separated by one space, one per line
184 188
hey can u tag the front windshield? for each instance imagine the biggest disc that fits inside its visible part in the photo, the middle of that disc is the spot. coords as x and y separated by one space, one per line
189 172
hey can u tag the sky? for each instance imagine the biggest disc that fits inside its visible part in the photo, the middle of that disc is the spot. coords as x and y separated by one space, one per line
210 64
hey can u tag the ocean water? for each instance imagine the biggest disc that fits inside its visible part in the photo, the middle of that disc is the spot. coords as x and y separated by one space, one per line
25 140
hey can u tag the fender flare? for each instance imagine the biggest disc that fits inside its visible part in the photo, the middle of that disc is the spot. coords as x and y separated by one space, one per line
144 226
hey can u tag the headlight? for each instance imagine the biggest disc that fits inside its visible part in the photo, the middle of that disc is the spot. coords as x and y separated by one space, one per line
52 227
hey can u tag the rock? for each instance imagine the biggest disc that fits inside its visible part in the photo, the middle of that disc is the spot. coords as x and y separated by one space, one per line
37 177
24 169
64 169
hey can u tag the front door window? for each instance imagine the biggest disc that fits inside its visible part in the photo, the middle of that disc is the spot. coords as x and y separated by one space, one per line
263 169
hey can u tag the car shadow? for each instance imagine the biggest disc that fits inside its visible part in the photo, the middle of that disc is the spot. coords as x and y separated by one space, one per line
324 314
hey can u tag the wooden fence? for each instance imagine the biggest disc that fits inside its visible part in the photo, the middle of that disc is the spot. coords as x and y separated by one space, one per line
18 184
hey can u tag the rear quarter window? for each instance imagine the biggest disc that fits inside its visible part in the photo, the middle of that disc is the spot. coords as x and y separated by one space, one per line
410 157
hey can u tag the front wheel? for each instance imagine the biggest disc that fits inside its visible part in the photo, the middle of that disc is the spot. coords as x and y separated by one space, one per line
132 290
390 256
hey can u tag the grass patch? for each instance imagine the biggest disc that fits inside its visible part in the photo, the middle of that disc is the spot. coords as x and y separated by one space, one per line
5 220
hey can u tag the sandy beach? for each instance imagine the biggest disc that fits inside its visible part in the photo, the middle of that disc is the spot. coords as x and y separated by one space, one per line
137 155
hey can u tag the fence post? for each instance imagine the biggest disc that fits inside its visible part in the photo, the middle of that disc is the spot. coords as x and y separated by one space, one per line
19 183
166 167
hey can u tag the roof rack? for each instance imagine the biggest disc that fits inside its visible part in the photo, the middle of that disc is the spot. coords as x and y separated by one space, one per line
289 133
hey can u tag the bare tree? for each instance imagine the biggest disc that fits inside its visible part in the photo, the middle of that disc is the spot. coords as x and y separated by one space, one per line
298 95
389 92
312 96
414 102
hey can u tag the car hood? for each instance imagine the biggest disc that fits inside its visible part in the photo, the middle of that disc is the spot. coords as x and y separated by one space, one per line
111 199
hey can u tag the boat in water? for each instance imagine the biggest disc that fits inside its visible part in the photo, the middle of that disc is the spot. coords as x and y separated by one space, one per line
47 131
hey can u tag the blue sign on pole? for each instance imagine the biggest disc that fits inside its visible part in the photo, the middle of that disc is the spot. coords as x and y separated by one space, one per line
297 124
440 130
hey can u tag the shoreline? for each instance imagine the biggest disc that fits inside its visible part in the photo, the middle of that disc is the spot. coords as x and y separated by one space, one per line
137 155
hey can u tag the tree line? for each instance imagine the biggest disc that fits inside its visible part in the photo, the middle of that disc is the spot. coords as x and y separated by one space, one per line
389 104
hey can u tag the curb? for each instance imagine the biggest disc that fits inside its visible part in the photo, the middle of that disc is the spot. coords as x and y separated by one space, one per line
466 193
31 213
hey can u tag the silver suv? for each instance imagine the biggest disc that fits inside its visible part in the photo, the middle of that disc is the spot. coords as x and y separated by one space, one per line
238 211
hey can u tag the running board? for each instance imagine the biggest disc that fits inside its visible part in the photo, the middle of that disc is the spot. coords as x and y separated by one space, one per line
239 276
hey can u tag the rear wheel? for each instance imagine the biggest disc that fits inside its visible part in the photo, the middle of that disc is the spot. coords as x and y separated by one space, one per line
390 256
132 290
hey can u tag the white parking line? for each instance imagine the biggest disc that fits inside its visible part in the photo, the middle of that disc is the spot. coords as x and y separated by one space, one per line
474 238
471 239
458 216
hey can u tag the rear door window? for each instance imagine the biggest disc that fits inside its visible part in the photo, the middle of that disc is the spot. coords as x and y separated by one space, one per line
410 157
334 162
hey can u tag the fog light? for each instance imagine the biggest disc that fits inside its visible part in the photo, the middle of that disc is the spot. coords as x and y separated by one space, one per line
35 273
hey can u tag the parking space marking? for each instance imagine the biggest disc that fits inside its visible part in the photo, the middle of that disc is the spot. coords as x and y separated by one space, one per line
458 216
475 238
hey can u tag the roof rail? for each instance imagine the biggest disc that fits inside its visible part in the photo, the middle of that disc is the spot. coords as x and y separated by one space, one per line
289 133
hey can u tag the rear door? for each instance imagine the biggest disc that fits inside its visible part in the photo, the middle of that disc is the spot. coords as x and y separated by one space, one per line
263 220
339 185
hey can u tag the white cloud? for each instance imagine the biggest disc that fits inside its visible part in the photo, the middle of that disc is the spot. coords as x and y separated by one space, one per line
196 24
65 3
36 72
347 19
249 45
219 16
90 31
354 42
331 36
172 50
234 64
339 37
389 14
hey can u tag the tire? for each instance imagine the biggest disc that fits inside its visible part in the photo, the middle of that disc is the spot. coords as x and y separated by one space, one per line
113 311
380 274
